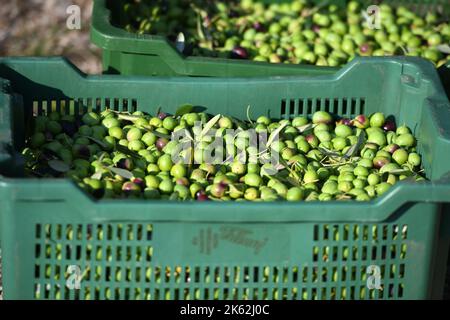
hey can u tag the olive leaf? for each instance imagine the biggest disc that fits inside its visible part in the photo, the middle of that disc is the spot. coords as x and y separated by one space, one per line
174 196
128 117
409 179
188 133
238 123
306 127
97 175
209 125
214 198
156 133
286 180
200 32
343 197
269 172
401 50
310 12
275 134
355 148
102 156
398 171
180 42
248 115
228 159
444 48
328 153
185 140
158 111
66 141
234 189
100 143
148 128
118 112
286 165
127 151
161 135
293 182
183 109
58 165
121 172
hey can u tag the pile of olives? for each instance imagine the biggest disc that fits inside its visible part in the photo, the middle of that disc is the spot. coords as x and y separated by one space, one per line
122 155
298 31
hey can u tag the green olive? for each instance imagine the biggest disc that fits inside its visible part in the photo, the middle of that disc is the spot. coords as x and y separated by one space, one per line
377 138
414 159
377 120
253 180
330 187
405 140
91 118
400 156
136 145
165 162
382 188
343 131
134 134
166 186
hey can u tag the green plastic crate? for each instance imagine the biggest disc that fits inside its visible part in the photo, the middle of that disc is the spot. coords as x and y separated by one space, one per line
444 73
152 55
274 250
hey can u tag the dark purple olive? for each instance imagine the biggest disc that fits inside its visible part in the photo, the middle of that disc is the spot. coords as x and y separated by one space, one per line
78 122
389 126
48 136
125 163
315 28
139 182
46 155
182 181
68 127
239 53
364 48
98 193
206 21
310 138
345 121
218 190
258 27
44 170
130 188
164 7
161 143
361 122
392 148
162 115
202 196
379 162
233 13
223 183
82 151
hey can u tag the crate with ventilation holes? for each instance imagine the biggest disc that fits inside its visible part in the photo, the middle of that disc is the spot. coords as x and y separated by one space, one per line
50 230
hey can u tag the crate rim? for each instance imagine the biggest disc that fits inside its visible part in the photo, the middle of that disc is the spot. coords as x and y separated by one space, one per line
427 72
111 38
378 210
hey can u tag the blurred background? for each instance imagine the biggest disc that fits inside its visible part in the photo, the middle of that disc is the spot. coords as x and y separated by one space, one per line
38 28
